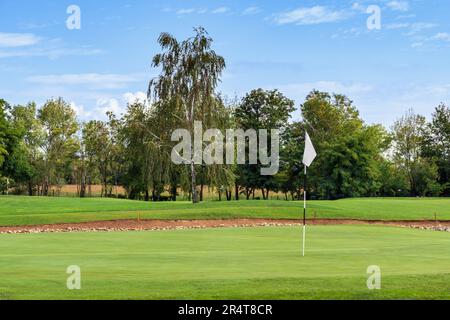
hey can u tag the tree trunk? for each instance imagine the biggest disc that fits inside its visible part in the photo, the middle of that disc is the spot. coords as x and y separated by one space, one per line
174 192
90 186
236 192
106 188
194 184
83 185
30 188
45 187
83 189
201 192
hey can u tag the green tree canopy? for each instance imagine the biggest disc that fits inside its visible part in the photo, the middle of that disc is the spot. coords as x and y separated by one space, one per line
185 88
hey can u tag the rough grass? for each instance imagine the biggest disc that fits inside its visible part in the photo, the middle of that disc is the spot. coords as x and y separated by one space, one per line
22 210
240 263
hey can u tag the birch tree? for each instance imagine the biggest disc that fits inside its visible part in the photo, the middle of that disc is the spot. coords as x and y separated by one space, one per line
190 73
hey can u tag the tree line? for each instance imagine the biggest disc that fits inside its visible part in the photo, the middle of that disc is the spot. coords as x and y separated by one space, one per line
46 147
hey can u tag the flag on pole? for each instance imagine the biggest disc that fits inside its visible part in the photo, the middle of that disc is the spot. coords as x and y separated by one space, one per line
310 153
308 157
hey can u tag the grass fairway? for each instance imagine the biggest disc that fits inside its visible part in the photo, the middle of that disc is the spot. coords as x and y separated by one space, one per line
21 210
250 263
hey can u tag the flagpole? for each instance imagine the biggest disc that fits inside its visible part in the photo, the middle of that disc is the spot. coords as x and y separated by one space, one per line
308 157
304 215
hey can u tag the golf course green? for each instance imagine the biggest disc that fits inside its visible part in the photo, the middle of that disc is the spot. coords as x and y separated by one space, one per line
224 263
228 263
22 210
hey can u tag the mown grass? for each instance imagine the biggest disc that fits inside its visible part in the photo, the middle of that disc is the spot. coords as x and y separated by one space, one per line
21 210
239 263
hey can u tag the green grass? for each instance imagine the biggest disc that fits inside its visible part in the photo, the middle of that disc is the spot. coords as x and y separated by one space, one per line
239 263
18 210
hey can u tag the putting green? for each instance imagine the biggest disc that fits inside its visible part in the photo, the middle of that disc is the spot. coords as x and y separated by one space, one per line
228 263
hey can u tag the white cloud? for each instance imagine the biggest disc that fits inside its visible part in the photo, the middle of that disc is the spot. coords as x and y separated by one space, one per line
185 11
33 25
313 15
140 97
105 105
50 53
406 16
96 80
80 111
397 26
118 106
251 10
420 26
221 10
398 5
441 36
414 28
430 94
30 45
359 7
444 36
12 40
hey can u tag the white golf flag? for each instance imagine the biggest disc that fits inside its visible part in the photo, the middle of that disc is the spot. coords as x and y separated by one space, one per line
310 154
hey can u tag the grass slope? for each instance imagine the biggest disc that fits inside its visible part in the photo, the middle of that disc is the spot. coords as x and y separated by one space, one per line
21 210
240 263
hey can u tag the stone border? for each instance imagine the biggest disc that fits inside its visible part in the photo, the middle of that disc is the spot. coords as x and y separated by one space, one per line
144 225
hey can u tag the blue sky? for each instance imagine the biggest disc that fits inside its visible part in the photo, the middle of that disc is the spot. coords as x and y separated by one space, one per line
294 46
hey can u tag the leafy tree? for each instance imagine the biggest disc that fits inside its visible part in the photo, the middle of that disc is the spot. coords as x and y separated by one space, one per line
137 142
26 164
437 145
349 164
261 109
98 147
61 145
409 136
393 180
144 134
290 178
348 151
13 164
190 72
4 131
328 116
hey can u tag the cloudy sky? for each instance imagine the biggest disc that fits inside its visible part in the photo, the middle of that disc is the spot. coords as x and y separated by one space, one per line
294 46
